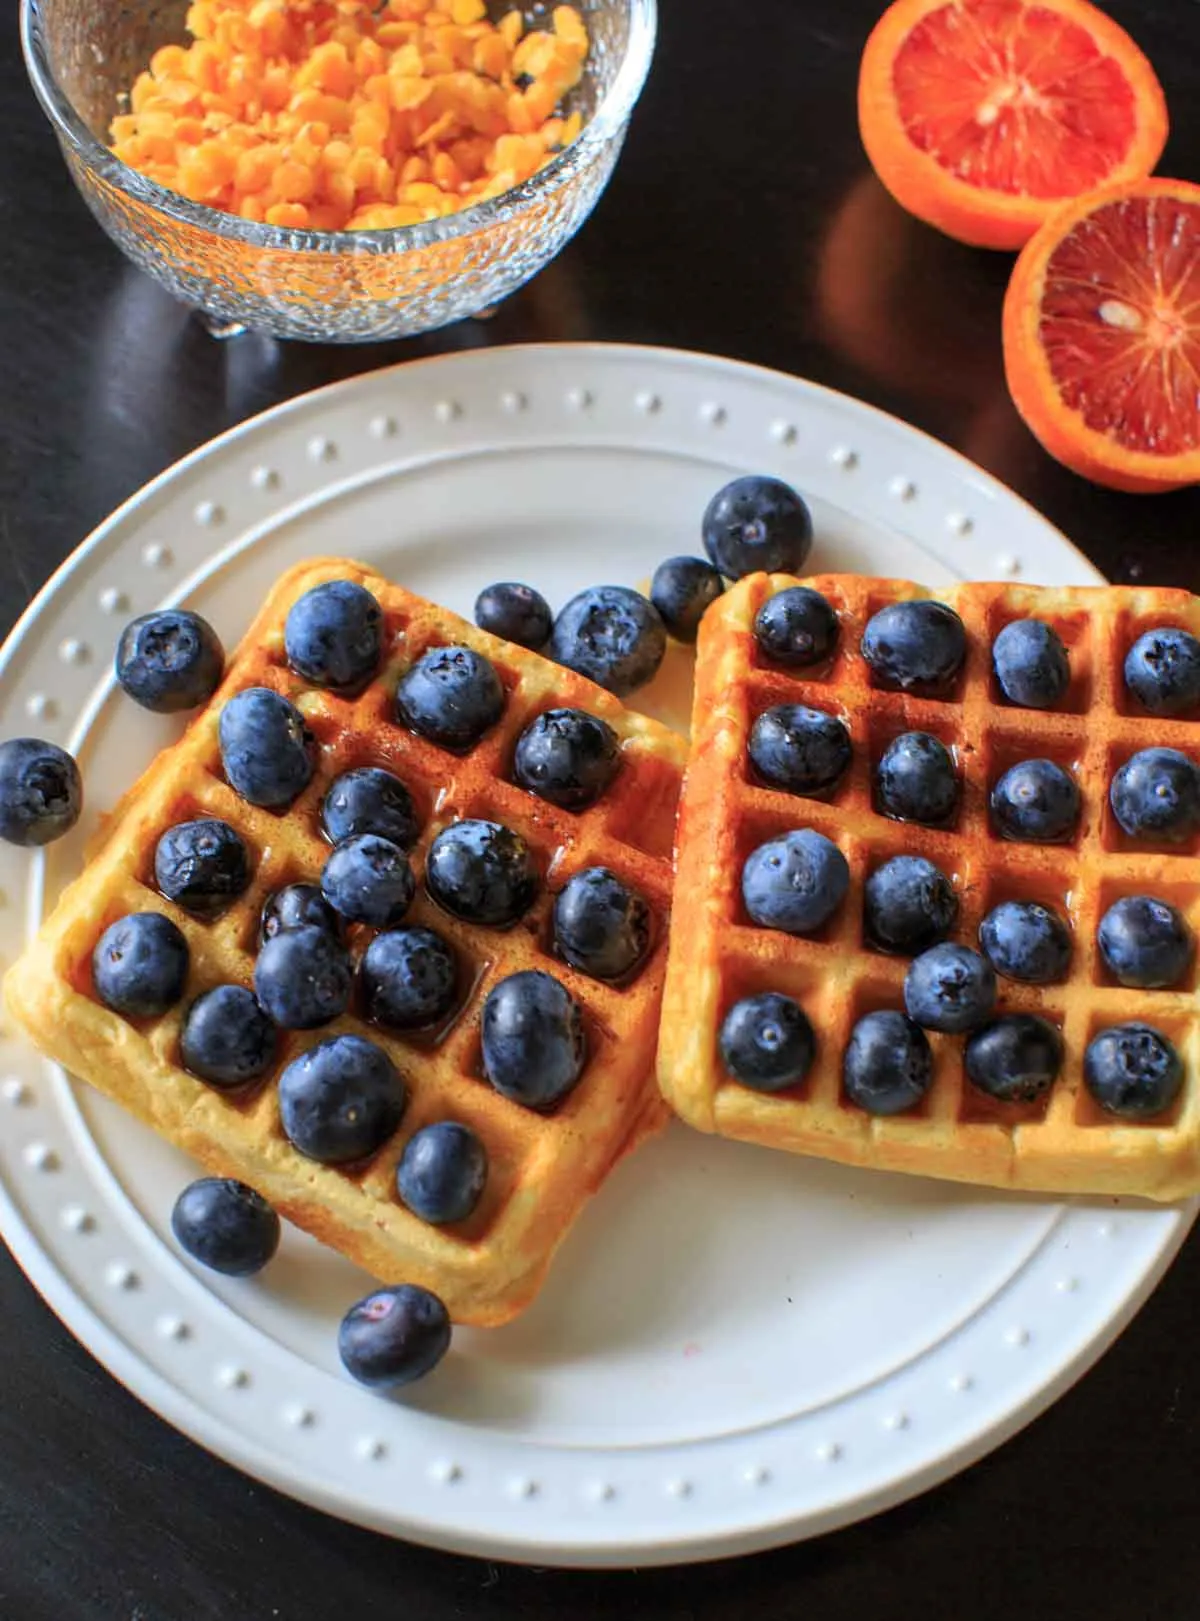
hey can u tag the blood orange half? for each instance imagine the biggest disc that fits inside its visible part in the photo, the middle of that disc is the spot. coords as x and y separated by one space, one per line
983 116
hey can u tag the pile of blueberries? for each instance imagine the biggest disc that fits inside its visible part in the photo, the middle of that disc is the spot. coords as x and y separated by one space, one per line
797 881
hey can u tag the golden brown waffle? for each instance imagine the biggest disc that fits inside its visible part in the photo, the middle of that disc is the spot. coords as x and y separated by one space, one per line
543 1168
1064 1143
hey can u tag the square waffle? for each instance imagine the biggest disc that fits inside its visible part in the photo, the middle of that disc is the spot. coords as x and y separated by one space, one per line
542 1168
1062 1143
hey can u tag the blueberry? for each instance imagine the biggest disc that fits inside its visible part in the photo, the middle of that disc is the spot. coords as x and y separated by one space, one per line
227 1039
1035 802
442 1172
611 635
1026 941
334 635
1156 795
908 905
795 882
394 1336
266 749
567 757
517 613
949 988
755 524
303 977
41 794
797 627
916 646
482 873
915 780
1015 1059
341 1100
1162 670
225 1225
534 1045
369 880
1145 943
601 925
451 695
409 978
804 751
369 800
888 1065
202 865
170 660
1132 1070
767 1042
296 906
140 965
1031 664
683 589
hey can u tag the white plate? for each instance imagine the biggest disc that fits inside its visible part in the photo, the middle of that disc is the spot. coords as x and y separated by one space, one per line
735 1348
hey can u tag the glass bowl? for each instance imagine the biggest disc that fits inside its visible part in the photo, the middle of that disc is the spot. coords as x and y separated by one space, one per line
329 286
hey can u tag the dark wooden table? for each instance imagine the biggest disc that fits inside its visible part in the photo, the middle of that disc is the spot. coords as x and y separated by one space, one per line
742 220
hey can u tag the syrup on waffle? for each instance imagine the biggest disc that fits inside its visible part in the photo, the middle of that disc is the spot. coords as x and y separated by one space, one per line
1062 1143
542 1168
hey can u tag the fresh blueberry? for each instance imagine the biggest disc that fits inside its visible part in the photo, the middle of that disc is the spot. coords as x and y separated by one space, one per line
341 1100
804 751
795 882
916 646
394 1336
516 613
601 926
1156 795
266 749
227 1038
1035 802
1015 1058
757 524
482 873
202 865
1026 941
949 988
1145 942
915 780
170 660
767 1042
41 794
451 695
409 978
908 905
334 635
1031 664
611 635
442 1172
888 1066
1132 1070
369 880
140 964
296 906
683 589
303 977
567 757
1162 670
225 1225
369 800
797 627
534 1044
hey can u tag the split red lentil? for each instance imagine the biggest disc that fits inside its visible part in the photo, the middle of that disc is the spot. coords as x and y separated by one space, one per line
351 115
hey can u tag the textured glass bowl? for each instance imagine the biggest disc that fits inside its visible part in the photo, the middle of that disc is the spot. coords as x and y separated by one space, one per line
331 286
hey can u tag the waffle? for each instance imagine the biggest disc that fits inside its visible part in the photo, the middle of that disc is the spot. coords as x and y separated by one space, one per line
1064 1143
542 1168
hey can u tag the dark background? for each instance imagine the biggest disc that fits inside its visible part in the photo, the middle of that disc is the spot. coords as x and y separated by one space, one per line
742 220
